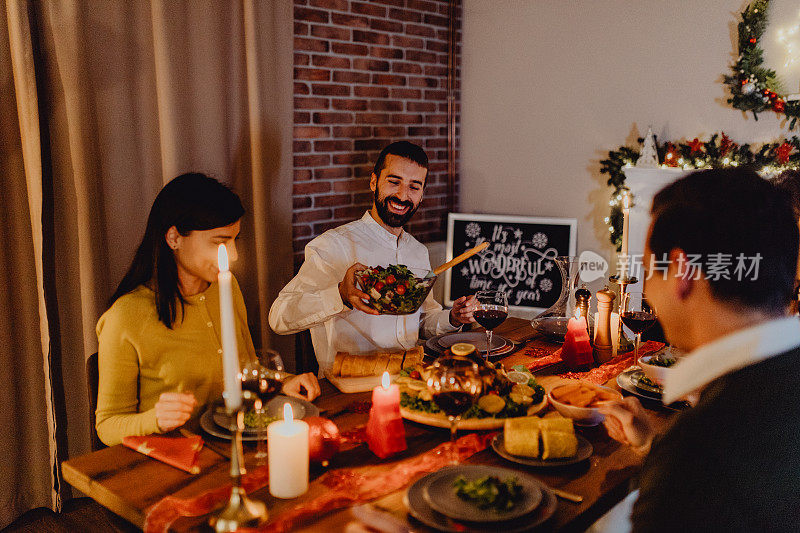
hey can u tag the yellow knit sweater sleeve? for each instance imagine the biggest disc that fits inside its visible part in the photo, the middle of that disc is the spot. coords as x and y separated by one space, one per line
118 333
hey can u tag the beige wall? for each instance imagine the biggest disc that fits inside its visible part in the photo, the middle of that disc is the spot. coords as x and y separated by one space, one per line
550 86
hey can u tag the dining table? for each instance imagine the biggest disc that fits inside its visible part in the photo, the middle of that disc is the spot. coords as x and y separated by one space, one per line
129 483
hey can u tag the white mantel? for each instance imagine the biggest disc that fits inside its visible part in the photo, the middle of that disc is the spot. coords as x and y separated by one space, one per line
644 183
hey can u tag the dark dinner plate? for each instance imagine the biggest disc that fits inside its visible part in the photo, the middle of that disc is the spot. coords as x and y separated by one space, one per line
585 450
441 495
435 349
215 421
419 509
626 383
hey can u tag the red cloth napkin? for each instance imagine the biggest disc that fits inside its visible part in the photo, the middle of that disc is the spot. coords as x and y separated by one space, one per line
615 366
347 487
180 452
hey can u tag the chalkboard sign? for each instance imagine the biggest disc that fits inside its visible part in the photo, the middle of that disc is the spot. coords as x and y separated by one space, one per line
519 259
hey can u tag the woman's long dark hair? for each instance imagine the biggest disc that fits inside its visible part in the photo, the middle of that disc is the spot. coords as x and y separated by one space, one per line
189 202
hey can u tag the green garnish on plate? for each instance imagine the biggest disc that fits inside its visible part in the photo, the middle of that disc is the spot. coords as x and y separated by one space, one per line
489 492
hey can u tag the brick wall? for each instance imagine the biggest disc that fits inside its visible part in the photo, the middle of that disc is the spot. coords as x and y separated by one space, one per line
367 73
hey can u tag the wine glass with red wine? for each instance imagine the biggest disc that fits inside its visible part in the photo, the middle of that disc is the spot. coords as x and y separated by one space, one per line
455 383
638 315
492 311
261 380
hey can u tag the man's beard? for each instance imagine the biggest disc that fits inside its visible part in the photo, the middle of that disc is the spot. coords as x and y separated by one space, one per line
393 219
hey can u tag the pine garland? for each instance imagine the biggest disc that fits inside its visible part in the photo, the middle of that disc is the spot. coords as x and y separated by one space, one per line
753 86
718 152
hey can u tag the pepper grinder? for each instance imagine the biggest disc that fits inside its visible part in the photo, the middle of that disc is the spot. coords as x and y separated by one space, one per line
583 298
603 340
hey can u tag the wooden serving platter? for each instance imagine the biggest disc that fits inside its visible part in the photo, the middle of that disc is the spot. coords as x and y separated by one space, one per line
359 384
439 420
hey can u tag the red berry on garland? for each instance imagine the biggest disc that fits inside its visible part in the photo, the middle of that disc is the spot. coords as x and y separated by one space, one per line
726 145
752 40
779 106
783 152
696 145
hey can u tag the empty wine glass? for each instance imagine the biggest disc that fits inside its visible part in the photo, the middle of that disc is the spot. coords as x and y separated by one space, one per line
492 311
261 378
455 383
638 315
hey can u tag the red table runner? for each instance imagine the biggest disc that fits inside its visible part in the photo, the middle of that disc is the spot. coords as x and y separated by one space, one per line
347 487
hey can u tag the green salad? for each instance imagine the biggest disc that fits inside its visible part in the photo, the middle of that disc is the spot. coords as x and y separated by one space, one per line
252 420
489 492
665 362
394 290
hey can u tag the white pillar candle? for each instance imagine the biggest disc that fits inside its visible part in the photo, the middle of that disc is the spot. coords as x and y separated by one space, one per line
230 353
287 449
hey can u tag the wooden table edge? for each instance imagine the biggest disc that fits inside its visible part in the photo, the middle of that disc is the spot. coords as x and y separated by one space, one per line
100 494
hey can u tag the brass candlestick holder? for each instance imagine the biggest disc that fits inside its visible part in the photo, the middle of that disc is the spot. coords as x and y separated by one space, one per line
623 281
240 511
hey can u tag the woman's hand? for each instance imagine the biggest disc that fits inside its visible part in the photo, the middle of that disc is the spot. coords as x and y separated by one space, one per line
303 386
629 423
173 409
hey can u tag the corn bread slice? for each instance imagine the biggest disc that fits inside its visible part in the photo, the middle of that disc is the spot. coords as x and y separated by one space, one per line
522 436
558 444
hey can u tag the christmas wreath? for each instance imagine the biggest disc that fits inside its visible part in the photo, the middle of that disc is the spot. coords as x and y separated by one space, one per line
718 152
753 86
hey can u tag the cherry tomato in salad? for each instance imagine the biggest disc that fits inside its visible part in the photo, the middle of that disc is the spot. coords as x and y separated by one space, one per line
400 289
415 374
379 285
390 279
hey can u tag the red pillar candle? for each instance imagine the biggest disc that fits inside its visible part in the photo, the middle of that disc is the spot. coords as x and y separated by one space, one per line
386 434
577 350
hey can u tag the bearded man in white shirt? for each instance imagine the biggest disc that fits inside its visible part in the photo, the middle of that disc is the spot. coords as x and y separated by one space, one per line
324 298
731 462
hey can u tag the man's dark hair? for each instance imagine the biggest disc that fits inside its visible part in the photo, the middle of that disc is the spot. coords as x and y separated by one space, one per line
735 212
404 149
789 182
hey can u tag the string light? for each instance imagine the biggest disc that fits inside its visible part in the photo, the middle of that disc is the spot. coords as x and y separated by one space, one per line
786 38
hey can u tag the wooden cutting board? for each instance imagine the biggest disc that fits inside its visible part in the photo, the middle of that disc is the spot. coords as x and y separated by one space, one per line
359 384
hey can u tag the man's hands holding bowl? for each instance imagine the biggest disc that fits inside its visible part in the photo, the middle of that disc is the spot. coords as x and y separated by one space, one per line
351 295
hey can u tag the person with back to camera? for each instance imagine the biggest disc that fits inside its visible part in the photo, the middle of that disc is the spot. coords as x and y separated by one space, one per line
731 462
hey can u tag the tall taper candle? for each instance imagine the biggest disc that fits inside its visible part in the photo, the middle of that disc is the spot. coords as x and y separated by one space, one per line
626 214
230 353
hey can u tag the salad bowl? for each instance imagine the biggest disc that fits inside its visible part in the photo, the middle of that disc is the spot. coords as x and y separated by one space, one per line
396 289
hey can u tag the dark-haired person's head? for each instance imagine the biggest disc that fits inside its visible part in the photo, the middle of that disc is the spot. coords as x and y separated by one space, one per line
788 181
191 216
730 241
398 181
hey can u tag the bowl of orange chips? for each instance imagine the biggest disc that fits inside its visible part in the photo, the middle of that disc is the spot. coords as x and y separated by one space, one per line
579 401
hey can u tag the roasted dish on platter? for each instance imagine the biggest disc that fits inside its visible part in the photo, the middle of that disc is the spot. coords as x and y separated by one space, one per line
501 398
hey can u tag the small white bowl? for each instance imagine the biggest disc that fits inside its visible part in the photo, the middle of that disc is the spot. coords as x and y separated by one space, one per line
656 374
582 416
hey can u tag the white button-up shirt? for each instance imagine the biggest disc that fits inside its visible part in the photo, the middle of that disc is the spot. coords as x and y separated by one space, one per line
311 300
730 353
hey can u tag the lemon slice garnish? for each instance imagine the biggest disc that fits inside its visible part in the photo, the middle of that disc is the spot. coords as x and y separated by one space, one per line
462 348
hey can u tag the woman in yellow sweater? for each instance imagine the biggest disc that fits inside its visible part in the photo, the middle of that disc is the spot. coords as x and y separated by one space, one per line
160 355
